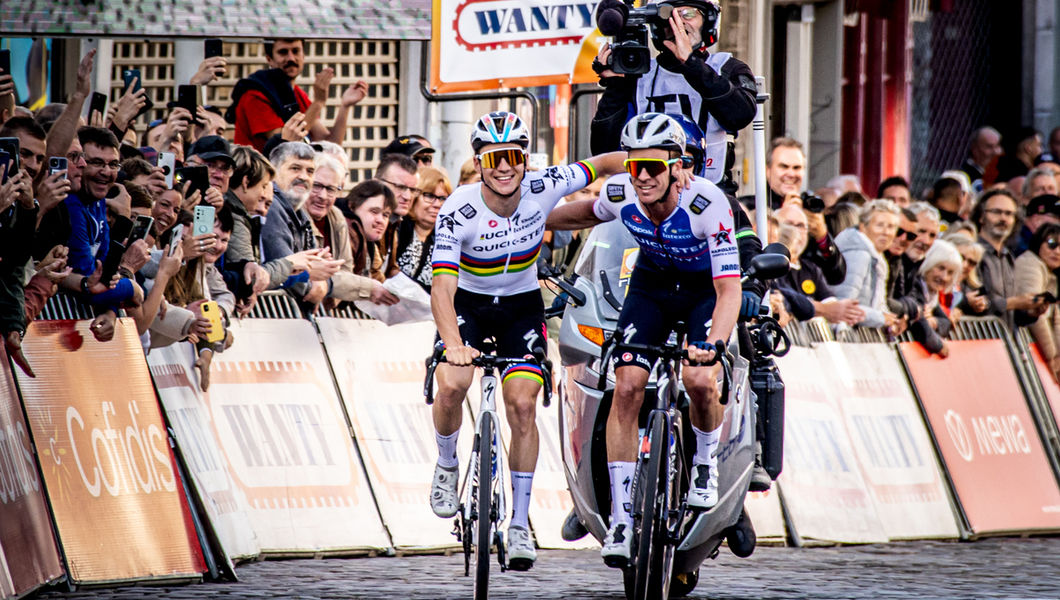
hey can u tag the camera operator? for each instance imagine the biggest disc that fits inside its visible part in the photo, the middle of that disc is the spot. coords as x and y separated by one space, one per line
716 91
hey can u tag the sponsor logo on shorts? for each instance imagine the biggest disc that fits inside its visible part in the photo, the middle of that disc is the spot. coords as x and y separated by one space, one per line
627 357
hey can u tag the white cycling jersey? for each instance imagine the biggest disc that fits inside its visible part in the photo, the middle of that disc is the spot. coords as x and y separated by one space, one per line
494 255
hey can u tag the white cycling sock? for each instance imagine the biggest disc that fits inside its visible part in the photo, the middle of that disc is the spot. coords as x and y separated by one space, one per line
521 483
706 444
621 474
447 449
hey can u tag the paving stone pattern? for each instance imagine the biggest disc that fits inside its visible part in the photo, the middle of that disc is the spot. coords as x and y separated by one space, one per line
994 568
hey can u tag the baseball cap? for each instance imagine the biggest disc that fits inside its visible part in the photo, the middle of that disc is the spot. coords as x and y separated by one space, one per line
408 146
210 147
1044 204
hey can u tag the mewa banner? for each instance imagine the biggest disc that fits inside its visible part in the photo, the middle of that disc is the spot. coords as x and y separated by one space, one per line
987 437
118 502
493 44
27 545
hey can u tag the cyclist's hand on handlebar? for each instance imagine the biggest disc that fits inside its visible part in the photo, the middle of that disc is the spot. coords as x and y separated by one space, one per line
461 356
699 355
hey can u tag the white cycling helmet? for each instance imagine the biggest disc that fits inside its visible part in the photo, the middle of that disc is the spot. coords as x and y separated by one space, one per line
499 127
653 130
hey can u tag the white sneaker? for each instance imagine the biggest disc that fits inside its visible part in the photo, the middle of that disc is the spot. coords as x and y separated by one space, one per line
617 544
521 552
704 492
444 501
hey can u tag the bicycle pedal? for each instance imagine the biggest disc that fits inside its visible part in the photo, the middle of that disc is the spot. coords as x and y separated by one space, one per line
616 562
519 564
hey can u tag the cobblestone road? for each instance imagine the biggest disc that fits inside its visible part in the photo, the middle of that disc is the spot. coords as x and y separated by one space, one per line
996 568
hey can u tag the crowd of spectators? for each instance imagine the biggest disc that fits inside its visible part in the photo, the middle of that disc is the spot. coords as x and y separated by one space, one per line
119 226
982 240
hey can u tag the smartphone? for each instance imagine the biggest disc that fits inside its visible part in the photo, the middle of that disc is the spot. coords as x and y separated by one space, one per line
13 148
188 99
5 164
203 224
119 232
140 228
168 161
1048 297
198 176
98 104
211 311
57 164
175 238
128 75
213 47
5 62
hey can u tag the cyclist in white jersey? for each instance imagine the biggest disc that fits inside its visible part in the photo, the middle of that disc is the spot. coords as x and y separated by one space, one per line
688 269
487 238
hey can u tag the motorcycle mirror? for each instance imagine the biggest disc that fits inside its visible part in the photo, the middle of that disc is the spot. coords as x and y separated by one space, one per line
777 248
768 266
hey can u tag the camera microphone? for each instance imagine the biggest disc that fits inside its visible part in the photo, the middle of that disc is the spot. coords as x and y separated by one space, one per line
611 17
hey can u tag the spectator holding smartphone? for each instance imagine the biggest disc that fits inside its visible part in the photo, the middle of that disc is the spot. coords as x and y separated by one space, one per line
1036 274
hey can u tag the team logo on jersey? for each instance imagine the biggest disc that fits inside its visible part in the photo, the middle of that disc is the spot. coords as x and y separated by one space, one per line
635 219
699 204
447 222
493 222
468 211
616 192
722 235
809 287
725 268
537 186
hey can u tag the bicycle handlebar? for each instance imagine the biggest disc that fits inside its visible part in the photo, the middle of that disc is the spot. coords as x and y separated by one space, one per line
671 352
489 362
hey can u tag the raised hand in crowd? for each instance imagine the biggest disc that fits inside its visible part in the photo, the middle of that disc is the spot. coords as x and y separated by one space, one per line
196 246
95 286
300 260
136 256
210 69
177 124
156 182
322 269
977 301
52 190
214 198
18 188
355 93
295 129
7 83
102 327
129 105
200 327
62 133
381 295
121 204
322 84
13 345
53 265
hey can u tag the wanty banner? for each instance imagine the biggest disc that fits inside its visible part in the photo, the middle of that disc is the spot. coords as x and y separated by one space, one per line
380 372
987 437
273 407
109 473
193 425
493 44
26 538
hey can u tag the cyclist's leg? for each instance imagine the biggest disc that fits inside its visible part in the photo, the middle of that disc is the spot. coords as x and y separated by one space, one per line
707 413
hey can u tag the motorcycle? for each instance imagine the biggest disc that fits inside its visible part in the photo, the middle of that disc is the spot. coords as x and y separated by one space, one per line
600 277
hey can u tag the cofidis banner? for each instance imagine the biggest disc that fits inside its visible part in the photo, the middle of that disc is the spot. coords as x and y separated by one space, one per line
119 504
493 44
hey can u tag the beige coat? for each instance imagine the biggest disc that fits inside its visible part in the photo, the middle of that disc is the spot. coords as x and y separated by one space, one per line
1034 277
346 285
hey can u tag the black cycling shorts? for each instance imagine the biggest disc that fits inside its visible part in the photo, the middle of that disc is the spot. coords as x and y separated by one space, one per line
516 325
654 303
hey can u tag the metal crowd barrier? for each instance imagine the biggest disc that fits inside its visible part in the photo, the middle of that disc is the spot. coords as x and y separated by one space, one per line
275 305
63 307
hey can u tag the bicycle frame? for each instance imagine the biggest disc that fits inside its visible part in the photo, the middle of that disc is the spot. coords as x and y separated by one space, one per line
487 412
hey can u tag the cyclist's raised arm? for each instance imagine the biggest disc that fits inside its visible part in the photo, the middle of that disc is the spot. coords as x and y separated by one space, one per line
573 215
610 163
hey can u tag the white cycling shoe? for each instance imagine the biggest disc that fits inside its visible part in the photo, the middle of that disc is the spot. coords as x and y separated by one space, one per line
521 552
444 500
617 545
704 492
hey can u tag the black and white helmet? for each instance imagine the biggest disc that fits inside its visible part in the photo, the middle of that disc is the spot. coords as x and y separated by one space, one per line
498 128
653 130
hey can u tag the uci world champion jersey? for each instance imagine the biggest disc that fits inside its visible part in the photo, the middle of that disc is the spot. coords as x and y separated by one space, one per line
495 255
697 237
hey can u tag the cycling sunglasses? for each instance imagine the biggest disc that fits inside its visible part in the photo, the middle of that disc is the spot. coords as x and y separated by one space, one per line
653 166
513 156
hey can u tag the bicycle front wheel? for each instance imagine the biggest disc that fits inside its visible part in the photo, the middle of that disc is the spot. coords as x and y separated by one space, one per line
654 550
485 508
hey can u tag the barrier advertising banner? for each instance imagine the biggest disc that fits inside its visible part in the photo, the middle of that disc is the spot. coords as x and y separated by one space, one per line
284 436
380 372
193 426
109 474
763 508
1049 385
822 486
987 438
493 44
26 539
890 440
